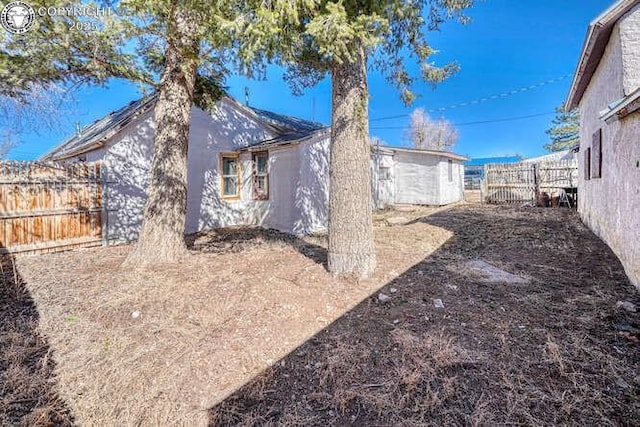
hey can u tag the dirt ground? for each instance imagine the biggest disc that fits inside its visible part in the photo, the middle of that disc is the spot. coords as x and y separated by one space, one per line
252 330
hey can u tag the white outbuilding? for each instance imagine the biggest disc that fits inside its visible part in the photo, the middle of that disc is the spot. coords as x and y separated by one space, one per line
416 177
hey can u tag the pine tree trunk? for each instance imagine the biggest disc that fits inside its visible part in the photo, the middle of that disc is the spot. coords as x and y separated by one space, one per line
161 239
351 248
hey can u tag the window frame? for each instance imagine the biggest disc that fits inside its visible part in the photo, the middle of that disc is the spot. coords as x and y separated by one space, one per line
596 154
255 175
587 165
384 173
237 195
450 169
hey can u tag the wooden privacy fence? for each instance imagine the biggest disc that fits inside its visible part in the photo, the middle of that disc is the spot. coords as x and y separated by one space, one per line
47 207
524 183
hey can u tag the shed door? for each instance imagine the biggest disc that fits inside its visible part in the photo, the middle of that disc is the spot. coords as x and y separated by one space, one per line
384 190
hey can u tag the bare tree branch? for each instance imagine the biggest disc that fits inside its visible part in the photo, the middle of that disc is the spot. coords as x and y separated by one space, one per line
428 134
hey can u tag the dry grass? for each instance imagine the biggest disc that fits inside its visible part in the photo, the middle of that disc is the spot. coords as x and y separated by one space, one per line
244 300
251 330
27 388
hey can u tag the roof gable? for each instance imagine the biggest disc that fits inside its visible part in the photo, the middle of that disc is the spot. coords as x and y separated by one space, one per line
93 135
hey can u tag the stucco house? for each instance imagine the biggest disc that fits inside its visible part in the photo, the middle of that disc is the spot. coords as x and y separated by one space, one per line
606 89
417 177
246 166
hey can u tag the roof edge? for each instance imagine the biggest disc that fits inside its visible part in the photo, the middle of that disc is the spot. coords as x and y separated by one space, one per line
99 140
272 143
447 154
146 104
598 29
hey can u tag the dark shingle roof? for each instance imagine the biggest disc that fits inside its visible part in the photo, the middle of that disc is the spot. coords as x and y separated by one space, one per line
281 140
287 128
288 124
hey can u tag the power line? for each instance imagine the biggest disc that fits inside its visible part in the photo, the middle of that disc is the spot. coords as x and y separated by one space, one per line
480 122
480 100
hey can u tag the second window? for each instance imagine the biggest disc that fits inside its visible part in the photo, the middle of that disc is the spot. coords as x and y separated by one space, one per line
261 175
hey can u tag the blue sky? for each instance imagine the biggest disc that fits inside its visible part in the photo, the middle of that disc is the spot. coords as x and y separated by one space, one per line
531 46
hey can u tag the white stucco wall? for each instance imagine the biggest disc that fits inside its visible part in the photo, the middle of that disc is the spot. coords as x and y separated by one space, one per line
450 191
225 130
298 176
630 45
298 189
311 202
610 205
284 167
127 160
417 178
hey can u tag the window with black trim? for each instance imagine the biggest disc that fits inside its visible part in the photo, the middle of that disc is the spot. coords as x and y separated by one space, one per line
596 155
261 176
230 172
450 162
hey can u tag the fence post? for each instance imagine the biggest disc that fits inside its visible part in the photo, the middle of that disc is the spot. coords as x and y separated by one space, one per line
484 183
536 185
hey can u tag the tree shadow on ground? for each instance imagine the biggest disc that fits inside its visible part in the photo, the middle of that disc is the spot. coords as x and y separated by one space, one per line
28 393
552 350
240 238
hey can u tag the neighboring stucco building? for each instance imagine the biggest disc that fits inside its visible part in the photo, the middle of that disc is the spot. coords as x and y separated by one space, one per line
606 88
416 177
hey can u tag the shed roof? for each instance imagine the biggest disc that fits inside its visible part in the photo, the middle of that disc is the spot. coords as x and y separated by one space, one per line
593 48
290 129
447 154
